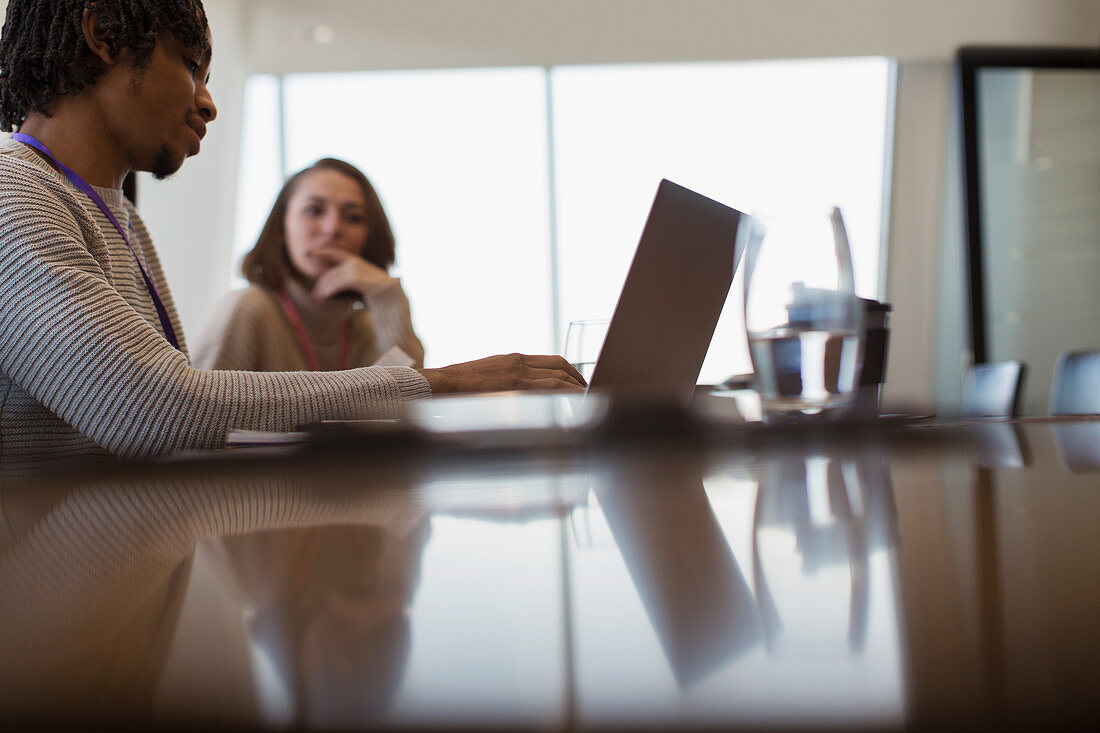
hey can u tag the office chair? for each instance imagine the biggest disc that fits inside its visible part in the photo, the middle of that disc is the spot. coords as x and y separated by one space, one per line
1075 388
993 389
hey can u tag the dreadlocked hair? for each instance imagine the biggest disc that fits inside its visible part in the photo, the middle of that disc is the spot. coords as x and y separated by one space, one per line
43 55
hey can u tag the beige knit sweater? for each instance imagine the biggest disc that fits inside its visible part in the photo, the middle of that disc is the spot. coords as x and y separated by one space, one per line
84 366
251 330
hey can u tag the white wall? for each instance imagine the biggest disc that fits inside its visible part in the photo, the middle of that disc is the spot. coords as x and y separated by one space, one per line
438 33
921 133
190 215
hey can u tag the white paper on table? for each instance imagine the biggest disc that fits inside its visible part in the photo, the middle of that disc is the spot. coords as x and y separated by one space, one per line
395 357
243 438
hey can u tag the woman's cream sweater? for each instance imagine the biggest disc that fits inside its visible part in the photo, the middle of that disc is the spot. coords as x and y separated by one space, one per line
252 330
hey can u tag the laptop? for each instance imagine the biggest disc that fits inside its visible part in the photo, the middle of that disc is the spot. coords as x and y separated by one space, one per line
658 336
672 298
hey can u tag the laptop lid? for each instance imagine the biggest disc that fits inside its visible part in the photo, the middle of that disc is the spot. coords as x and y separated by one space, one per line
673 295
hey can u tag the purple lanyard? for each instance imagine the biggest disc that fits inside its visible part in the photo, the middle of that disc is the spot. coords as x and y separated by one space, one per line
74 177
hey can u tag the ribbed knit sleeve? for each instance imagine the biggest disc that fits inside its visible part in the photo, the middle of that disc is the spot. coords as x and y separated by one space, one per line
74 346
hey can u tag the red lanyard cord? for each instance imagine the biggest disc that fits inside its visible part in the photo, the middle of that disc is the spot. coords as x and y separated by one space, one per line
303 337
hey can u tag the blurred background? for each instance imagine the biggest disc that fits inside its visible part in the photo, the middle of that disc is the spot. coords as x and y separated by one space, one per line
517 145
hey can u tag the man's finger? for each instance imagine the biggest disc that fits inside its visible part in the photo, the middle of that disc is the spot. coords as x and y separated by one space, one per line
550 361
559 374
552 384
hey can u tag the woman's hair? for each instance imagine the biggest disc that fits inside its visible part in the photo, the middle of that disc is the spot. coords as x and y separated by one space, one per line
268 263
43 54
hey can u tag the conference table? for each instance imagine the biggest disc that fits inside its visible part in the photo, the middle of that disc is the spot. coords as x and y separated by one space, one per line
532 561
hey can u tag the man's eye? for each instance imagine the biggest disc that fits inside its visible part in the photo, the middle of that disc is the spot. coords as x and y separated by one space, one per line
192 65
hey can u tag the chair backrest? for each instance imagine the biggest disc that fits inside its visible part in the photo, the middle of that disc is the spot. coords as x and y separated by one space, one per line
993 389
1075 388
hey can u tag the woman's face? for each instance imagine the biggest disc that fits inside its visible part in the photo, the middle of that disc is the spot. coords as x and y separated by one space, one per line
327 209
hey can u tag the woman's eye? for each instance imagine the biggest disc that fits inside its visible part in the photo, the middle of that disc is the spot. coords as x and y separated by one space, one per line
354 218
312 211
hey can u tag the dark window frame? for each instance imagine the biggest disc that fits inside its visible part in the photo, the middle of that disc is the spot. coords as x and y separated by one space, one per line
969 61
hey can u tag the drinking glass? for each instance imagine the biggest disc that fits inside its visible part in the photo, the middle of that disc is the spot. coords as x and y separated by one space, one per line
583 342
803 320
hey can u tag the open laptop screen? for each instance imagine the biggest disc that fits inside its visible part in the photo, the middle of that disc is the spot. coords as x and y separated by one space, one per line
673 296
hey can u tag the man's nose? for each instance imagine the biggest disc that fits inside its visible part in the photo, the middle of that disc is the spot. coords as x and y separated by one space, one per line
205 102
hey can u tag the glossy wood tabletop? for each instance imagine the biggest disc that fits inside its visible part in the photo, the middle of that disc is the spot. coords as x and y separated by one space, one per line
885 576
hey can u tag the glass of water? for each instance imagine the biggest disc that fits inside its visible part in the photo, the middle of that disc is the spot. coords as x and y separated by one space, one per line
583 342
803 320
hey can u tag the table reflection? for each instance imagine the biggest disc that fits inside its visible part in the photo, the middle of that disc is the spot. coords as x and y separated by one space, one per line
691 586
817 521
1078 446
1000 445
768 593
770 579
91 585
93 577
325 612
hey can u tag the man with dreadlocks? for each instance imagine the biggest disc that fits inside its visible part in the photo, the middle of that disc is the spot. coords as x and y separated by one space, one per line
92 357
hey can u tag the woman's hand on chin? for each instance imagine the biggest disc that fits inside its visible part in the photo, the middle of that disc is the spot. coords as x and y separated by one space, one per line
348 271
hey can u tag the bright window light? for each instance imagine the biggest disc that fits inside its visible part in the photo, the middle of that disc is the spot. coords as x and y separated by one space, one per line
261 173
461 160
768 135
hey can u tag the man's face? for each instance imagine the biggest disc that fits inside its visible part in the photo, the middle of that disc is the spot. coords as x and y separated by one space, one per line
160 110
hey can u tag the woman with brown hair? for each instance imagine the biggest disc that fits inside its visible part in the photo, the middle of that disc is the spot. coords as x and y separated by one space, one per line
321 297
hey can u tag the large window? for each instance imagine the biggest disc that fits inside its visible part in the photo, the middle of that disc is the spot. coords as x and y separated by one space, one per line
517 195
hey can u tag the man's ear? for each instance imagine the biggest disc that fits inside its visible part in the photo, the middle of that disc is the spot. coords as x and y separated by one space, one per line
96 36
